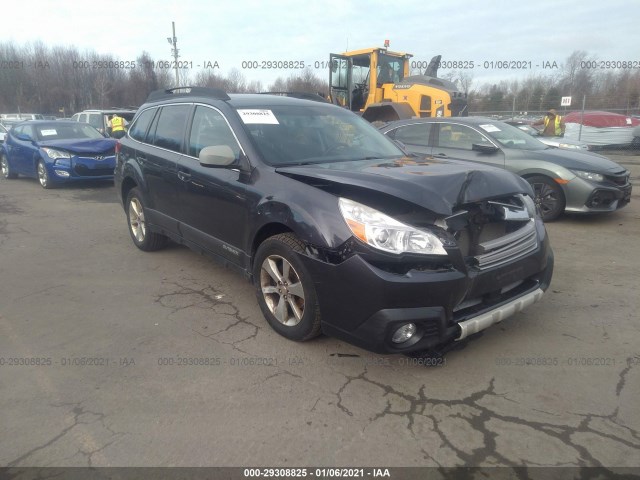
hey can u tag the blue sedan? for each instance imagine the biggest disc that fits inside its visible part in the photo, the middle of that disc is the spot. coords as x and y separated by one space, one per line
57 152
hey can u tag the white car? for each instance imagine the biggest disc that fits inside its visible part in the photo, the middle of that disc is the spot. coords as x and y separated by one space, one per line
3 133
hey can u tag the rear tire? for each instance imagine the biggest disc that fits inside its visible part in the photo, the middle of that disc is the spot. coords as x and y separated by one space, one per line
142 237
548 197
284 288
7 171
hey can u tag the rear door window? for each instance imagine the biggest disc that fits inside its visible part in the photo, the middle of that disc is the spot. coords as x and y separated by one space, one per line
169 131
460 137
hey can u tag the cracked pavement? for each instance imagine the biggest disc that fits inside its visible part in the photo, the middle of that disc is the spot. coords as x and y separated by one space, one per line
164 359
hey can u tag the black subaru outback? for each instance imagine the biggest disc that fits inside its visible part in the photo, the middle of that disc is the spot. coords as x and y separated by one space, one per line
338 228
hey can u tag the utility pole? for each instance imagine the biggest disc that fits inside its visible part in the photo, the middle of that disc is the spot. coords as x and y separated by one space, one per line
173 41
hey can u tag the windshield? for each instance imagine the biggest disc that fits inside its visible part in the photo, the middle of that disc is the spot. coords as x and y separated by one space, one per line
511 137
65 131
528 129
298 135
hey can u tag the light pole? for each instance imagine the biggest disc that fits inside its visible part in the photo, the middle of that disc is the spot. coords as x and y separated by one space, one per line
173 41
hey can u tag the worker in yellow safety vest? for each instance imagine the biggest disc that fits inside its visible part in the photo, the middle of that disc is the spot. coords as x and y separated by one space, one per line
553 124
117 126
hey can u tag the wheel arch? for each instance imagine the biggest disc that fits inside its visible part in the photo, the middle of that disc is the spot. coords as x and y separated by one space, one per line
266 231
547 174
128 184
388 112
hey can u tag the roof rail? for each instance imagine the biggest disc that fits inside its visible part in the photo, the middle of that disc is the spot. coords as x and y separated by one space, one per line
188 92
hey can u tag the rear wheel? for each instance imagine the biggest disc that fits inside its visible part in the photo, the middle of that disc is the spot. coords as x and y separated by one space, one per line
548 197
285 291
142 237
7 171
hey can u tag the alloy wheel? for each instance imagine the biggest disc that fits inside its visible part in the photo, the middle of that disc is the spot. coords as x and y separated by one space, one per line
136 219
43 176
282 290
546 198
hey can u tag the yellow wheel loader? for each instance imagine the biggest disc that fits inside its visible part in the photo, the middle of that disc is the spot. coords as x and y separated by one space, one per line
376 83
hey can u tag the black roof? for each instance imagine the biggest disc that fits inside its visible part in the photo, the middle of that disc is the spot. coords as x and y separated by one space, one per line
236 100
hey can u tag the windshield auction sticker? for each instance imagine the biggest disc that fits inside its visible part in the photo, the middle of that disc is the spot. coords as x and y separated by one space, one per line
490 128
258 116
46 133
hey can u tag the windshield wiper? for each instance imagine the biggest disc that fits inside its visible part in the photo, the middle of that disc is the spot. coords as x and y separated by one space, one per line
337 160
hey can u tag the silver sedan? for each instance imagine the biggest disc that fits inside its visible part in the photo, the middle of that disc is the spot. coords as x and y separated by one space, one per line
562 180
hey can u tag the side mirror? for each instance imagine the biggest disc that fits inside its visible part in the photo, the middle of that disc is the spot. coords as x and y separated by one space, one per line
216 156
489 149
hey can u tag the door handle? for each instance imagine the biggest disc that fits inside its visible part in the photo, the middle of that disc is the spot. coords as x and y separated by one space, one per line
184 176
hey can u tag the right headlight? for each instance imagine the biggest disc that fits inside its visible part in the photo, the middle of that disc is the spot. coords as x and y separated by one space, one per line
385 233
594 177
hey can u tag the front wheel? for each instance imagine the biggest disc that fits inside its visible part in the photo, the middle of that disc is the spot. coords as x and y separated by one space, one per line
142 237
43 175
548 197
285 291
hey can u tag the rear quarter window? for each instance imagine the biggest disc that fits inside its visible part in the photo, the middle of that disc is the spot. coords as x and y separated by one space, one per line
138 130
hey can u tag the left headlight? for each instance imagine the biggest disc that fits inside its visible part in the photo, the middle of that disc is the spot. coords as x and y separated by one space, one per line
55 154
385 233
594 177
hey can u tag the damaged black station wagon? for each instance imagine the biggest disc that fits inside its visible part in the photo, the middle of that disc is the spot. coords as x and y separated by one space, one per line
340 231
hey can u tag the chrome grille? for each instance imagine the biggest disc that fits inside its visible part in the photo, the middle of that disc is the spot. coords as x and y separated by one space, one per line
508 248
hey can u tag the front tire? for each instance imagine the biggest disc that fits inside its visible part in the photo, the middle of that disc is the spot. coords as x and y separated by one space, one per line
142 237
7 171
548 197
43 175
284 288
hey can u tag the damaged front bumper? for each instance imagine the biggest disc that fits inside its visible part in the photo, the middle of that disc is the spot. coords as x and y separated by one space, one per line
365 305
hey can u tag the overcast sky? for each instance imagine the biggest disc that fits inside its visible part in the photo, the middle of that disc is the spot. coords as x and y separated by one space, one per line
234 31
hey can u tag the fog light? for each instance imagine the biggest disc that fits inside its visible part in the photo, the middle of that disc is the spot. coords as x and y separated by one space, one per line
61 173
404 333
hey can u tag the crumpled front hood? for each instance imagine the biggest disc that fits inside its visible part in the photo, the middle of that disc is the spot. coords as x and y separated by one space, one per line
89 145
435 184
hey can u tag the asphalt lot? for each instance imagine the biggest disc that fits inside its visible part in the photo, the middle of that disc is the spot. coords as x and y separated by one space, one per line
114 357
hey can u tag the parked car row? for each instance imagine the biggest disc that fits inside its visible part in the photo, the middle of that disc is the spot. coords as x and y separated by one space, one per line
404 239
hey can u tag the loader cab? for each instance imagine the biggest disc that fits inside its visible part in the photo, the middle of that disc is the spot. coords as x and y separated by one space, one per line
359 78
376 84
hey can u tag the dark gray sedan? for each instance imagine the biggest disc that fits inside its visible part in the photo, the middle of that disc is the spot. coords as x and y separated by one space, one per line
563 180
